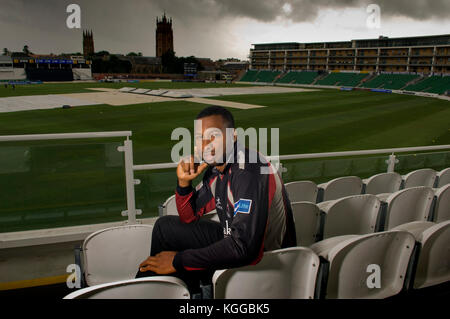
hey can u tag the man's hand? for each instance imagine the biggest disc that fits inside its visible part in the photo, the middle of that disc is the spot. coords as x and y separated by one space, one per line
160 264
187 171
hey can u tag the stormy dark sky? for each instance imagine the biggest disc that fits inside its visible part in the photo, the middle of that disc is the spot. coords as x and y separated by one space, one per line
211 28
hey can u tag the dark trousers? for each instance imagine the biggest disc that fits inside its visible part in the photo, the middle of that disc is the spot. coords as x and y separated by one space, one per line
170 234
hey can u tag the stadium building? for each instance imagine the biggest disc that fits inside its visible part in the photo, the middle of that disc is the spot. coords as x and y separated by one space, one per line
44 68
425 54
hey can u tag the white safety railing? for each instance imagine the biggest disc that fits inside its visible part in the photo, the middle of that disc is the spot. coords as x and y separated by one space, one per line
130 168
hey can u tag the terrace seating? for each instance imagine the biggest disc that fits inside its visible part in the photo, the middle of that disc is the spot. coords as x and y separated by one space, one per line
158 287
288 273
298 77
342 79
249 76
432 84
267 76
390 81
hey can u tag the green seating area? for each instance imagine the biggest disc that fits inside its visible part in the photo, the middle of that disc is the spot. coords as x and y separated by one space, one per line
249 76
296 77
267 76
432 84
389 81
342 79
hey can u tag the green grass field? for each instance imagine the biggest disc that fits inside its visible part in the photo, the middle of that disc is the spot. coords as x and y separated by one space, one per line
60 183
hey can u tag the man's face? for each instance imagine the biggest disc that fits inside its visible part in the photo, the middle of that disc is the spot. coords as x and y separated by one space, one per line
210 139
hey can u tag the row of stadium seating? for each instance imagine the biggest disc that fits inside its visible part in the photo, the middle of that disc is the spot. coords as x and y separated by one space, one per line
404 233
301 77
342 79
390 81
432 84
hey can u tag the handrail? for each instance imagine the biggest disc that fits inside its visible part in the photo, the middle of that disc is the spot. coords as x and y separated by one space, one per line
62 136
166 165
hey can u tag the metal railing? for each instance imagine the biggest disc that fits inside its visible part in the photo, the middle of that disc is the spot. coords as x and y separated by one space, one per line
130 168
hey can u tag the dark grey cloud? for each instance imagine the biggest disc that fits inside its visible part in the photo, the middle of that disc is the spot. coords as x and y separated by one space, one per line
200 26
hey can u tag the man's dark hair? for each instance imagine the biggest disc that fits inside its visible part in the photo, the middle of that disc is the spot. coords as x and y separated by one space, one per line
217 110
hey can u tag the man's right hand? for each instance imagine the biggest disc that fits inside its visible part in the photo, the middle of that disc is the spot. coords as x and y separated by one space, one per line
187 171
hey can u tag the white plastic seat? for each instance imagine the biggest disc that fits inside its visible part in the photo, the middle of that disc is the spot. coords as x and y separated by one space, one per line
288 273
434 259
341 187
307 222
169 207
300 191
433 265
349 259
408 205
443 177
383 183
442 206
115 253
158 287
351 215
420 177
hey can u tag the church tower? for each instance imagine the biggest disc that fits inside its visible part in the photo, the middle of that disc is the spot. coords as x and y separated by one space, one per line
164 35
88 44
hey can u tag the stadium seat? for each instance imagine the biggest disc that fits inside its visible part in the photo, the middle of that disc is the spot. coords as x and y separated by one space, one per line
307 222
288 273
351 215
115 253
433 265
420 177
301 191
169 207
158 287
442 205
443 177
340 187
408 205
382 183
349 257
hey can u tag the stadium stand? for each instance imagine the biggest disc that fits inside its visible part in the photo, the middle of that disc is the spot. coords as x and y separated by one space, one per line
342 79
296 77
390 81
288 273
267 76
49 74
349 256
158 287
302 191
249 76
433 84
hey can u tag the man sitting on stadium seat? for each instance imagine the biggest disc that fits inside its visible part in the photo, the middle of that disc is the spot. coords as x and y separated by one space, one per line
248 196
